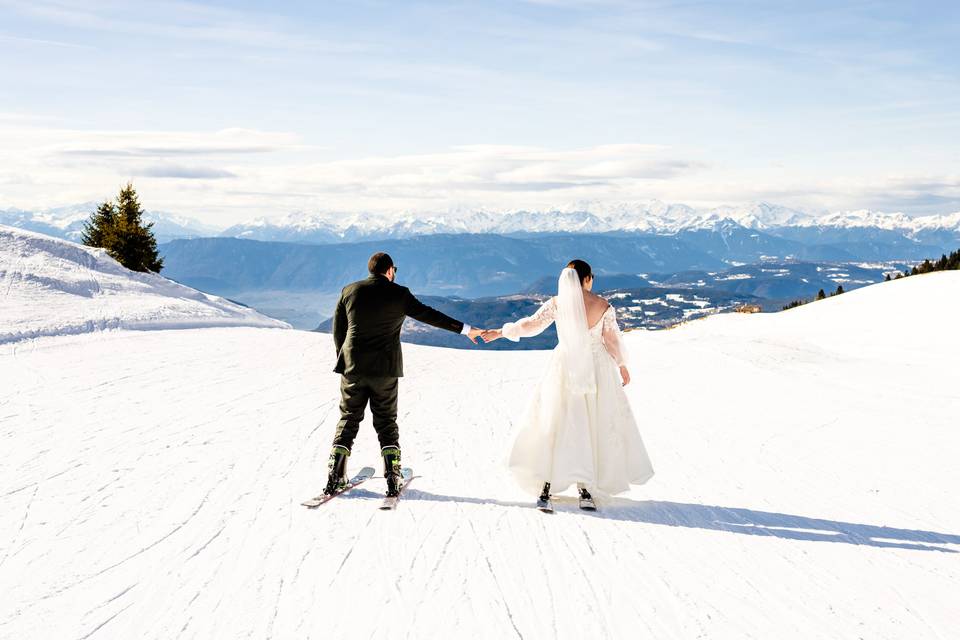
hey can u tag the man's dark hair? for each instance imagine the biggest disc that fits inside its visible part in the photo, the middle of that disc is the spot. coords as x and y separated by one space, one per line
379 263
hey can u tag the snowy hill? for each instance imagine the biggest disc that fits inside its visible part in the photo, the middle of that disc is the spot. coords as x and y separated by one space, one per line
50 286
805 487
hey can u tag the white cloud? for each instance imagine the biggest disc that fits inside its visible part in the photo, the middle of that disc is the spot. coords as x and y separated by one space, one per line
184 172
232 174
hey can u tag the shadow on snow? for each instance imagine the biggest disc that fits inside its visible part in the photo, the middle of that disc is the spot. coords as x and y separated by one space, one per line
716 518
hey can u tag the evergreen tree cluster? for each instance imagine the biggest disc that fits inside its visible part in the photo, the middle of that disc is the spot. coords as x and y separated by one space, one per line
820 296
793 304
118 227
945 263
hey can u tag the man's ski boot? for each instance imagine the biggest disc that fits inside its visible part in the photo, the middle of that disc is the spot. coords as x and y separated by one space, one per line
543 502
391 470
336 470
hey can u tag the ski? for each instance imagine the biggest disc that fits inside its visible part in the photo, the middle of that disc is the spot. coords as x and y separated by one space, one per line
364 474
545 505
390 503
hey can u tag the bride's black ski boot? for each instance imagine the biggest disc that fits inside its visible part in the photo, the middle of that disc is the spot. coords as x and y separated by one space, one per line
586 500
391 470
543 502
336 470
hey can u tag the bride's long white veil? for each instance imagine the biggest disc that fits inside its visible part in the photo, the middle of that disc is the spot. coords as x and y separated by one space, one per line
574 348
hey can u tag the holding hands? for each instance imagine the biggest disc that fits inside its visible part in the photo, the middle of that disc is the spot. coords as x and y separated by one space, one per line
492 334
485 335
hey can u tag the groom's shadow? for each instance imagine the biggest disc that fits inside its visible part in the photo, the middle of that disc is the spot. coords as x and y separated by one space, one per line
730 519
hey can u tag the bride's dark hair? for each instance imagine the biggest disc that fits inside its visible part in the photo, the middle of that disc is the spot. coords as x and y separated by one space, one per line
582 269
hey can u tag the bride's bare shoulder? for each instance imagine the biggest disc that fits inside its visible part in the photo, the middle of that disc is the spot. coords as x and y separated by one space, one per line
596 301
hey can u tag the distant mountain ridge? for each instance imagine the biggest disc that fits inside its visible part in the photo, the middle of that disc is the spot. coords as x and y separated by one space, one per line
67 222
299 282
465 265
588 217
653 217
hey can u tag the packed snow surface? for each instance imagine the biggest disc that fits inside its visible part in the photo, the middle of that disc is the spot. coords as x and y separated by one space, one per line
53 287
805 487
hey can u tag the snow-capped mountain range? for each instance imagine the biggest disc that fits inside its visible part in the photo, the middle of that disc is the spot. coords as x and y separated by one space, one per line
652 216
67 222
590 217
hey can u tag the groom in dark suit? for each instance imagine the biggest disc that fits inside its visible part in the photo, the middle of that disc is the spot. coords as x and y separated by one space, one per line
366 334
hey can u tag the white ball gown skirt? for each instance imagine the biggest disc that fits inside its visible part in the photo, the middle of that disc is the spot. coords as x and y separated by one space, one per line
564 438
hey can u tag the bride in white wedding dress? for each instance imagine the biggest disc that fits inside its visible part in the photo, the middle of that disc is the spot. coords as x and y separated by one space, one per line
578 427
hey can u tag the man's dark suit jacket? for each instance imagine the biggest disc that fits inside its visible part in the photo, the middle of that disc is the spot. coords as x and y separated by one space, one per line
366 326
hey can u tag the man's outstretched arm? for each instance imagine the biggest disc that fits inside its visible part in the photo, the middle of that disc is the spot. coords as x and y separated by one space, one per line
428 315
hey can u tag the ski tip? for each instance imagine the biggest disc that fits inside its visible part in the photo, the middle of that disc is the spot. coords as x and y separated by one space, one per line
545 507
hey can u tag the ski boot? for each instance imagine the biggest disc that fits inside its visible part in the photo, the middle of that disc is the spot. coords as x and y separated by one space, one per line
543 502
336 470
586 500
391 470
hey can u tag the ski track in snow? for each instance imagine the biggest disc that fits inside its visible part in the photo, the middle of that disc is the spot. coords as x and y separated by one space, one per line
805 488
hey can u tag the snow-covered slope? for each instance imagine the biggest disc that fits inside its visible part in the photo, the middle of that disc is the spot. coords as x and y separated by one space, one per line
50 287
805 487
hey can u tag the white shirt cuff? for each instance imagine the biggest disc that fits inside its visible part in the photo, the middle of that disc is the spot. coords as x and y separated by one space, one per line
466 329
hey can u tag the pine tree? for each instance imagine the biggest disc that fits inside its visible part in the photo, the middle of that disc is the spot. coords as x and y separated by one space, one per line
821 295
839 290
924 267
887 279
120 230
98 230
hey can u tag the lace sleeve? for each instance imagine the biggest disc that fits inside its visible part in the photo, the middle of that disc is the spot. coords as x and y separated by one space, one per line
612 339
532 325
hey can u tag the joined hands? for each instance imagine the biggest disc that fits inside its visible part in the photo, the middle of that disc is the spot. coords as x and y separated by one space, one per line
485 335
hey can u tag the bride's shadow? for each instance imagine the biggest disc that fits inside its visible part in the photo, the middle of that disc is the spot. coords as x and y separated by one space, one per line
717 518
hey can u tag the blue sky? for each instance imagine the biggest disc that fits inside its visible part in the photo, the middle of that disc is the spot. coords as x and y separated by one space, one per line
229 110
